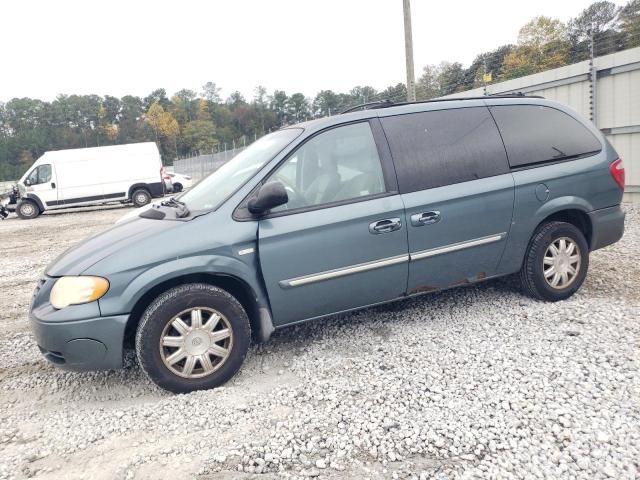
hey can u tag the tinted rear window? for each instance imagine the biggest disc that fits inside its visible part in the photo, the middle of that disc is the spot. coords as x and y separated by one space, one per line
534 133
443 147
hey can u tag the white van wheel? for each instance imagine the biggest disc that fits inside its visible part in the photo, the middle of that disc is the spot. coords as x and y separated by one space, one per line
27 209
140 197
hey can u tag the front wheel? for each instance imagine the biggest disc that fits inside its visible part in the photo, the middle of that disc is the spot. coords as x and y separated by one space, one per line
27 209
192 337
556 262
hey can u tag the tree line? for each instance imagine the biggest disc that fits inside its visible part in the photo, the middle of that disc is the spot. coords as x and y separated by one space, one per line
543 43
190 122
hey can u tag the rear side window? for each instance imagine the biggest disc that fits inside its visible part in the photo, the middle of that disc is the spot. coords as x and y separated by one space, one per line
443 147
534 133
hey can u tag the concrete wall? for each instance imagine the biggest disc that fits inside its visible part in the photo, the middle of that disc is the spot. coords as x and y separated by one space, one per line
616 110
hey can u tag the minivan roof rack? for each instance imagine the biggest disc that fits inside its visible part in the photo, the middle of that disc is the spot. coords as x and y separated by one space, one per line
390 103
370 105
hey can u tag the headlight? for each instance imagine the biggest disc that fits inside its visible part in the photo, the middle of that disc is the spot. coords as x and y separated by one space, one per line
75 290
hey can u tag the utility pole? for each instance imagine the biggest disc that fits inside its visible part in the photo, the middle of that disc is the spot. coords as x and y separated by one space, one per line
408 47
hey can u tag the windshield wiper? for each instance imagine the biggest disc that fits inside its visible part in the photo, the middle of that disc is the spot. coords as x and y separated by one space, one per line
182 212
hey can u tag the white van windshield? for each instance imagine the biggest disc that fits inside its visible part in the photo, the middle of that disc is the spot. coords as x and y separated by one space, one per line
214 189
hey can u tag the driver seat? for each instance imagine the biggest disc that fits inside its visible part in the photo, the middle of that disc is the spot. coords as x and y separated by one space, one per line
325 186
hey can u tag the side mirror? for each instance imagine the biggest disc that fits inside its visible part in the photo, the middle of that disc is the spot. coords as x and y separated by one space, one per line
27 182
270 195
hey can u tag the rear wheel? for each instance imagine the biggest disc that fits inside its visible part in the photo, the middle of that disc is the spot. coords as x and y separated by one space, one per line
192 337
140 197
27 209
556 262
177 187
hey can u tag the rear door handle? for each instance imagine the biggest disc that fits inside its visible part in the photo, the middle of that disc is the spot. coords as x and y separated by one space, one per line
425 218
385 226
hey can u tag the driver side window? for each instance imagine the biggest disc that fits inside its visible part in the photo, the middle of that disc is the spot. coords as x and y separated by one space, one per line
41 174
336 165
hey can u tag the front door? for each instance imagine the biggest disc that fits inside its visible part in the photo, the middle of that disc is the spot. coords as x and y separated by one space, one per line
341 241
458 193
41 182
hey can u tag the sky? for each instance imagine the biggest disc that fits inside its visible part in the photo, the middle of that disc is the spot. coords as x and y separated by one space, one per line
135 46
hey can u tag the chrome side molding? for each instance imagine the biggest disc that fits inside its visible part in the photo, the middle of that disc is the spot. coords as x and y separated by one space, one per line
385 262
453 247
341 272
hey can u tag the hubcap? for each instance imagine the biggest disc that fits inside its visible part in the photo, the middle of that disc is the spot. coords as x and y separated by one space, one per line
27 209
196 342
141 198
561 263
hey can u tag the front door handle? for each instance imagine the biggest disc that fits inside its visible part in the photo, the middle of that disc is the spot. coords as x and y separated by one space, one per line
53 185
425 218
385 226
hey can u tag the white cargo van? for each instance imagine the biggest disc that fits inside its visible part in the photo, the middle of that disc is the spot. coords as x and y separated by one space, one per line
91 176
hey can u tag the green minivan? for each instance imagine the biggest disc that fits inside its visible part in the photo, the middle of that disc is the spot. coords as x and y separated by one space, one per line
333 215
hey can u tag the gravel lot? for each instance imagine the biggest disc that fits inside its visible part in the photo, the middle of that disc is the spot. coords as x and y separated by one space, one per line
474 382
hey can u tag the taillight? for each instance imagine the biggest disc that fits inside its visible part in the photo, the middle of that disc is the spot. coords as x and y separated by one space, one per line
617 172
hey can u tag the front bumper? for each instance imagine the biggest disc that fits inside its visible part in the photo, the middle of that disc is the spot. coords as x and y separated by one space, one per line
90 344
607 226
77 337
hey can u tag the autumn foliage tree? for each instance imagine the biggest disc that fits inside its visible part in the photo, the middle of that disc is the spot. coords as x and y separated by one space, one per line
164 126
542 44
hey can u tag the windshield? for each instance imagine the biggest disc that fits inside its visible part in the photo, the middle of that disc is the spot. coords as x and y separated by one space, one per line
214 189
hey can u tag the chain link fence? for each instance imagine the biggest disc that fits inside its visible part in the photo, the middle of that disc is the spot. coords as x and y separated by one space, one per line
200 166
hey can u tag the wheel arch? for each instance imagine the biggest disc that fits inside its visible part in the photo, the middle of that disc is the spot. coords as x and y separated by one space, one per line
573 210
576 217
570 209
35 199
237 287
137 186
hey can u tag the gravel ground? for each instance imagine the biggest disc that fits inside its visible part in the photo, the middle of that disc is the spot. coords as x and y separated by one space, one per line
468 383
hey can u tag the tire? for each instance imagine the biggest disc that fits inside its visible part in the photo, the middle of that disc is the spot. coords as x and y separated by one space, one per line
27 209
177 187
157 323
140 197
541 264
